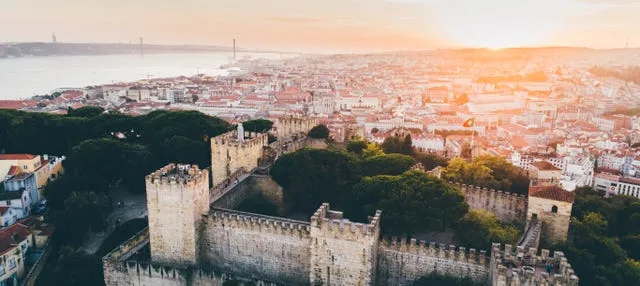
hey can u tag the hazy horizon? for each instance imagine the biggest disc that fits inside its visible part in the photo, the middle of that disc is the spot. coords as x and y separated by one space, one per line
330 25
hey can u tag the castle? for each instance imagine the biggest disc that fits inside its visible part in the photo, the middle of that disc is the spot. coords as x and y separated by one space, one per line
196 238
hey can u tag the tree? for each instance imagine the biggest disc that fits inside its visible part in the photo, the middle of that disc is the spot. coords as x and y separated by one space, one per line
310 177
479 228
180 149
72 267
102 163
357 147
392 164
430 160
364 149
372 150
257 125
319 132
406 200
603 238
489 172
395 144
86 111
407 145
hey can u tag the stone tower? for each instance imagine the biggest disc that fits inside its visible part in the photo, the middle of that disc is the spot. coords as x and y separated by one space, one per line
177 197
235 152
552 205
343 252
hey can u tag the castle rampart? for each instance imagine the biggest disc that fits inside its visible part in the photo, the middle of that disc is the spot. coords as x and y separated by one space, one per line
287 126
271 248
520 266
343 252
402 263
505 205
229 154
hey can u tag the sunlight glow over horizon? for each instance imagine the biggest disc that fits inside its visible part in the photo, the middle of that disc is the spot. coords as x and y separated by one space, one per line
350 25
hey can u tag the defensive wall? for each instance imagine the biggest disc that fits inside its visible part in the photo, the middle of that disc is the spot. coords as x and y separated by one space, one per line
521 266
229 154
505 205
121 268
328 250
271 248
402 263
289 125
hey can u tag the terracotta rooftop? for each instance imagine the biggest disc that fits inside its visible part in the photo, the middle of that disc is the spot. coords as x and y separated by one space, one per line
545 166
11 236
16 156
552 193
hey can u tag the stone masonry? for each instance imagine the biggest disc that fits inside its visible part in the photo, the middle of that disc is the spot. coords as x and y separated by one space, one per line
343 252
230 155
193 243
177 197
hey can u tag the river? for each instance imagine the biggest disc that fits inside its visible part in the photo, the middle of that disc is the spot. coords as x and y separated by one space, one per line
25 77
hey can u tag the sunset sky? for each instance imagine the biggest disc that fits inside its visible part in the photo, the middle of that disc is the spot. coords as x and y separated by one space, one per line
328 25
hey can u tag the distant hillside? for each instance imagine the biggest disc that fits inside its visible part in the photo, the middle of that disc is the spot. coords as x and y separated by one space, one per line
76 49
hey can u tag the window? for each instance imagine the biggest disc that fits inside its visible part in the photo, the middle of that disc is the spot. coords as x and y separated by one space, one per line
25 167
554 209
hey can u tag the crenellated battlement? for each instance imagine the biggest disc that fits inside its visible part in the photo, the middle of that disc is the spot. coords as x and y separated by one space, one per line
177 174
332 222
250 139
154 270
290 125
521 266
257 222
432 249
128 248
466 187
505 205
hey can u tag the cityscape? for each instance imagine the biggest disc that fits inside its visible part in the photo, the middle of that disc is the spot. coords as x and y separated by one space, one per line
481 161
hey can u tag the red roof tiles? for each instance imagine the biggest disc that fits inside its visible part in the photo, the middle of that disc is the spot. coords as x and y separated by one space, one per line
552 193
16 156
11 236
545 166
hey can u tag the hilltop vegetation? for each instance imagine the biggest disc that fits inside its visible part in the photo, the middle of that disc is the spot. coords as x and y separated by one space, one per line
604 239
105 152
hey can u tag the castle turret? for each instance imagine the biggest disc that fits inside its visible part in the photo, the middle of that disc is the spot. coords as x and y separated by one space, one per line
177 197
552 205
343 252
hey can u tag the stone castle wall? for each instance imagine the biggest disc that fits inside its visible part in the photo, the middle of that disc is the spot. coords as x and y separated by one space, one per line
402 263
506 206
517 266
250 186
113 264
271 248
228 155
287 126
343 252
174 234
555 226
143 274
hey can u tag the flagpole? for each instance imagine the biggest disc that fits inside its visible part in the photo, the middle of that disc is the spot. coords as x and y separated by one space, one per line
472 133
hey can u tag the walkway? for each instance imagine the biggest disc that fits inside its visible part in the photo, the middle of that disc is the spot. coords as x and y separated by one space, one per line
131 206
